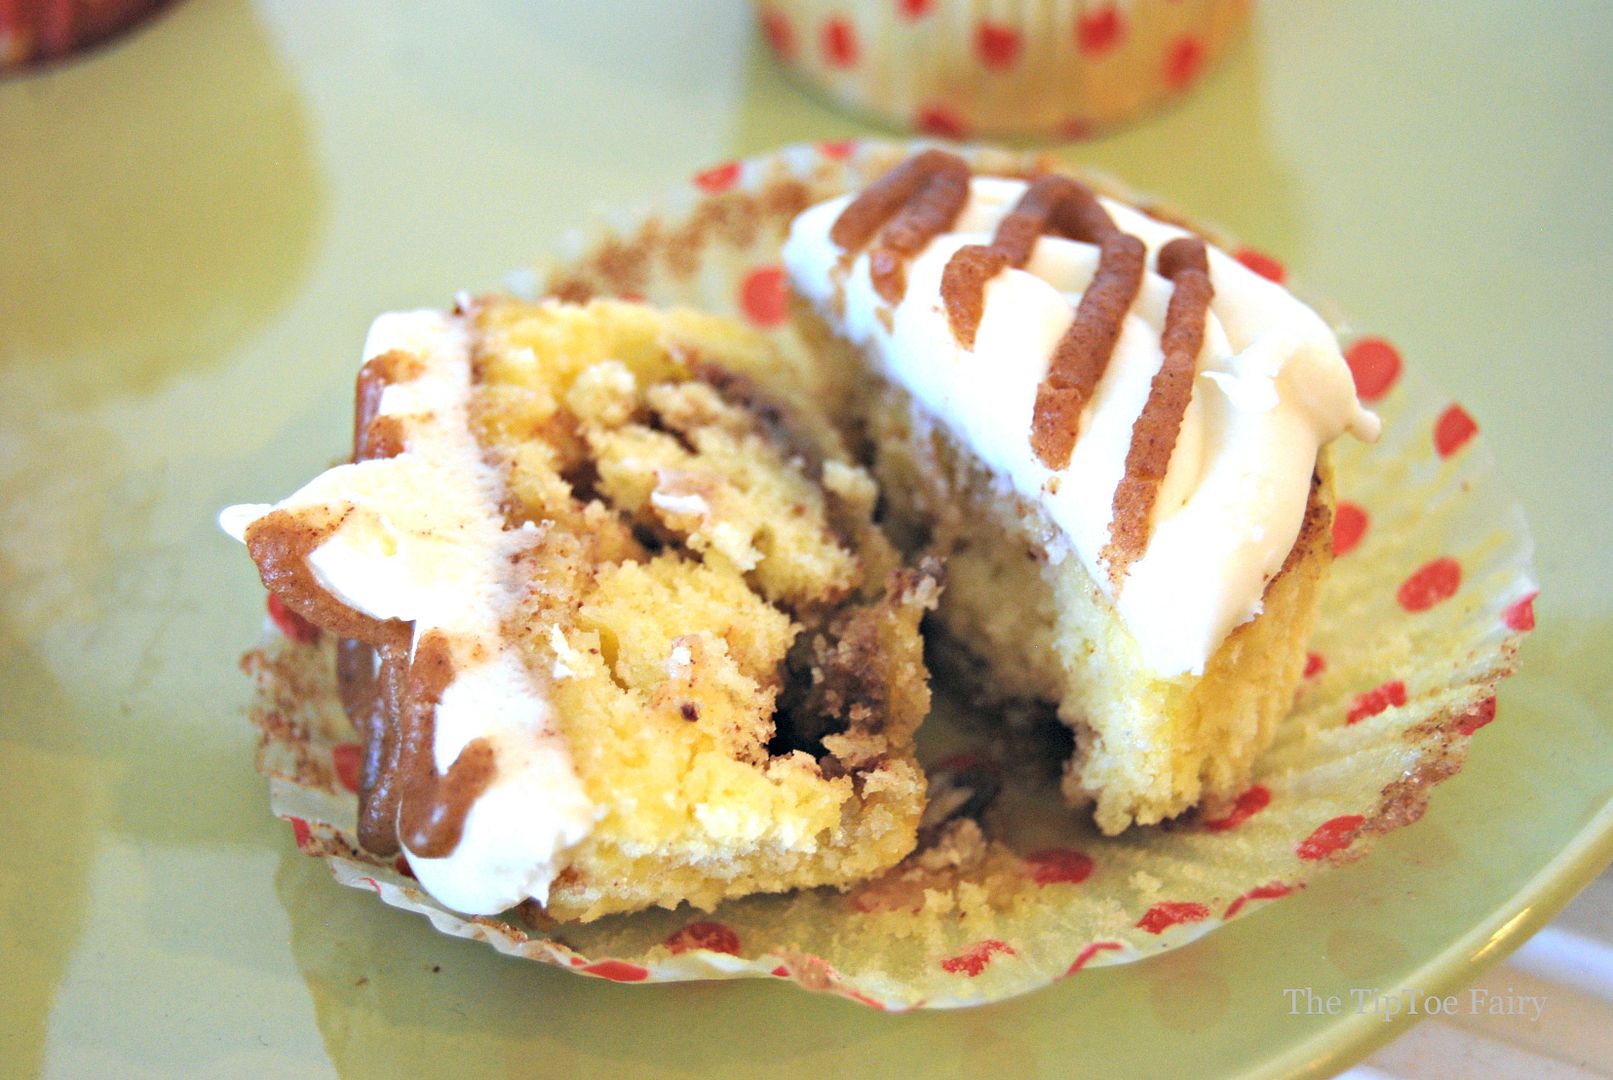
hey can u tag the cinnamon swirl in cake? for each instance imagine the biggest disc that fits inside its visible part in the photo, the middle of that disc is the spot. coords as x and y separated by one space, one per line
1114 433
619 630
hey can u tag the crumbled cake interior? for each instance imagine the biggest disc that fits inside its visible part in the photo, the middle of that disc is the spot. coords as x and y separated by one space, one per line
1022 629
732 646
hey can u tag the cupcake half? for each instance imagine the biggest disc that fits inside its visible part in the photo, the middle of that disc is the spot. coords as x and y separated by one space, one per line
618 629
1112 433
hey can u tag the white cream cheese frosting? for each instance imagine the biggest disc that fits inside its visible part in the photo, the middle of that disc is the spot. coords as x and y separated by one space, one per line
425 542
1271 389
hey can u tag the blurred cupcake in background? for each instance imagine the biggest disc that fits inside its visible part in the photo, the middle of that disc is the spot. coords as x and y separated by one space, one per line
969 68
37 30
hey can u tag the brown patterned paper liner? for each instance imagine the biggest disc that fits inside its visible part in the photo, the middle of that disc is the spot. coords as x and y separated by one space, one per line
972 68
1429 597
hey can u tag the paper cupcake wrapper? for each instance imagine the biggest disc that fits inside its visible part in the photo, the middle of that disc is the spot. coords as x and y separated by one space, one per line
33 31
968 68
1422 616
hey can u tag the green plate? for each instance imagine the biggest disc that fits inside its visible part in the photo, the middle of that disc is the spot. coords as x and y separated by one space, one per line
199 222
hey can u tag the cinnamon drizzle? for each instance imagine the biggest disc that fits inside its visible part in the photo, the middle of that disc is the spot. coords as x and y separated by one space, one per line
1153 436
390 695
1082 354
371 680
920 199
1051 203
432 806
374 377
280 543
924 195
371 675
1058 205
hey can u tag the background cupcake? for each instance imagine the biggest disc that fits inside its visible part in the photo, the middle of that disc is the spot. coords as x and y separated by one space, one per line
967 68
36 30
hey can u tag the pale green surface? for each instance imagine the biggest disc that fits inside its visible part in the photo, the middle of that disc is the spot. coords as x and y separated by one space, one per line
195 227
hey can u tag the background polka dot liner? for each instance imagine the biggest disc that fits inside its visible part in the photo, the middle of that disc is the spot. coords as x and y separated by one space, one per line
970 68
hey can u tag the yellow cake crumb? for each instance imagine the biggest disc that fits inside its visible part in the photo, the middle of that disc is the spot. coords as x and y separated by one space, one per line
737 667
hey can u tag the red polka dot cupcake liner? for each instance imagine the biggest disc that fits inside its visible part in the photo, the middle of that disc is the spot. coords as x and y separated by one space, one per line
1430 596
37 31
971 68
